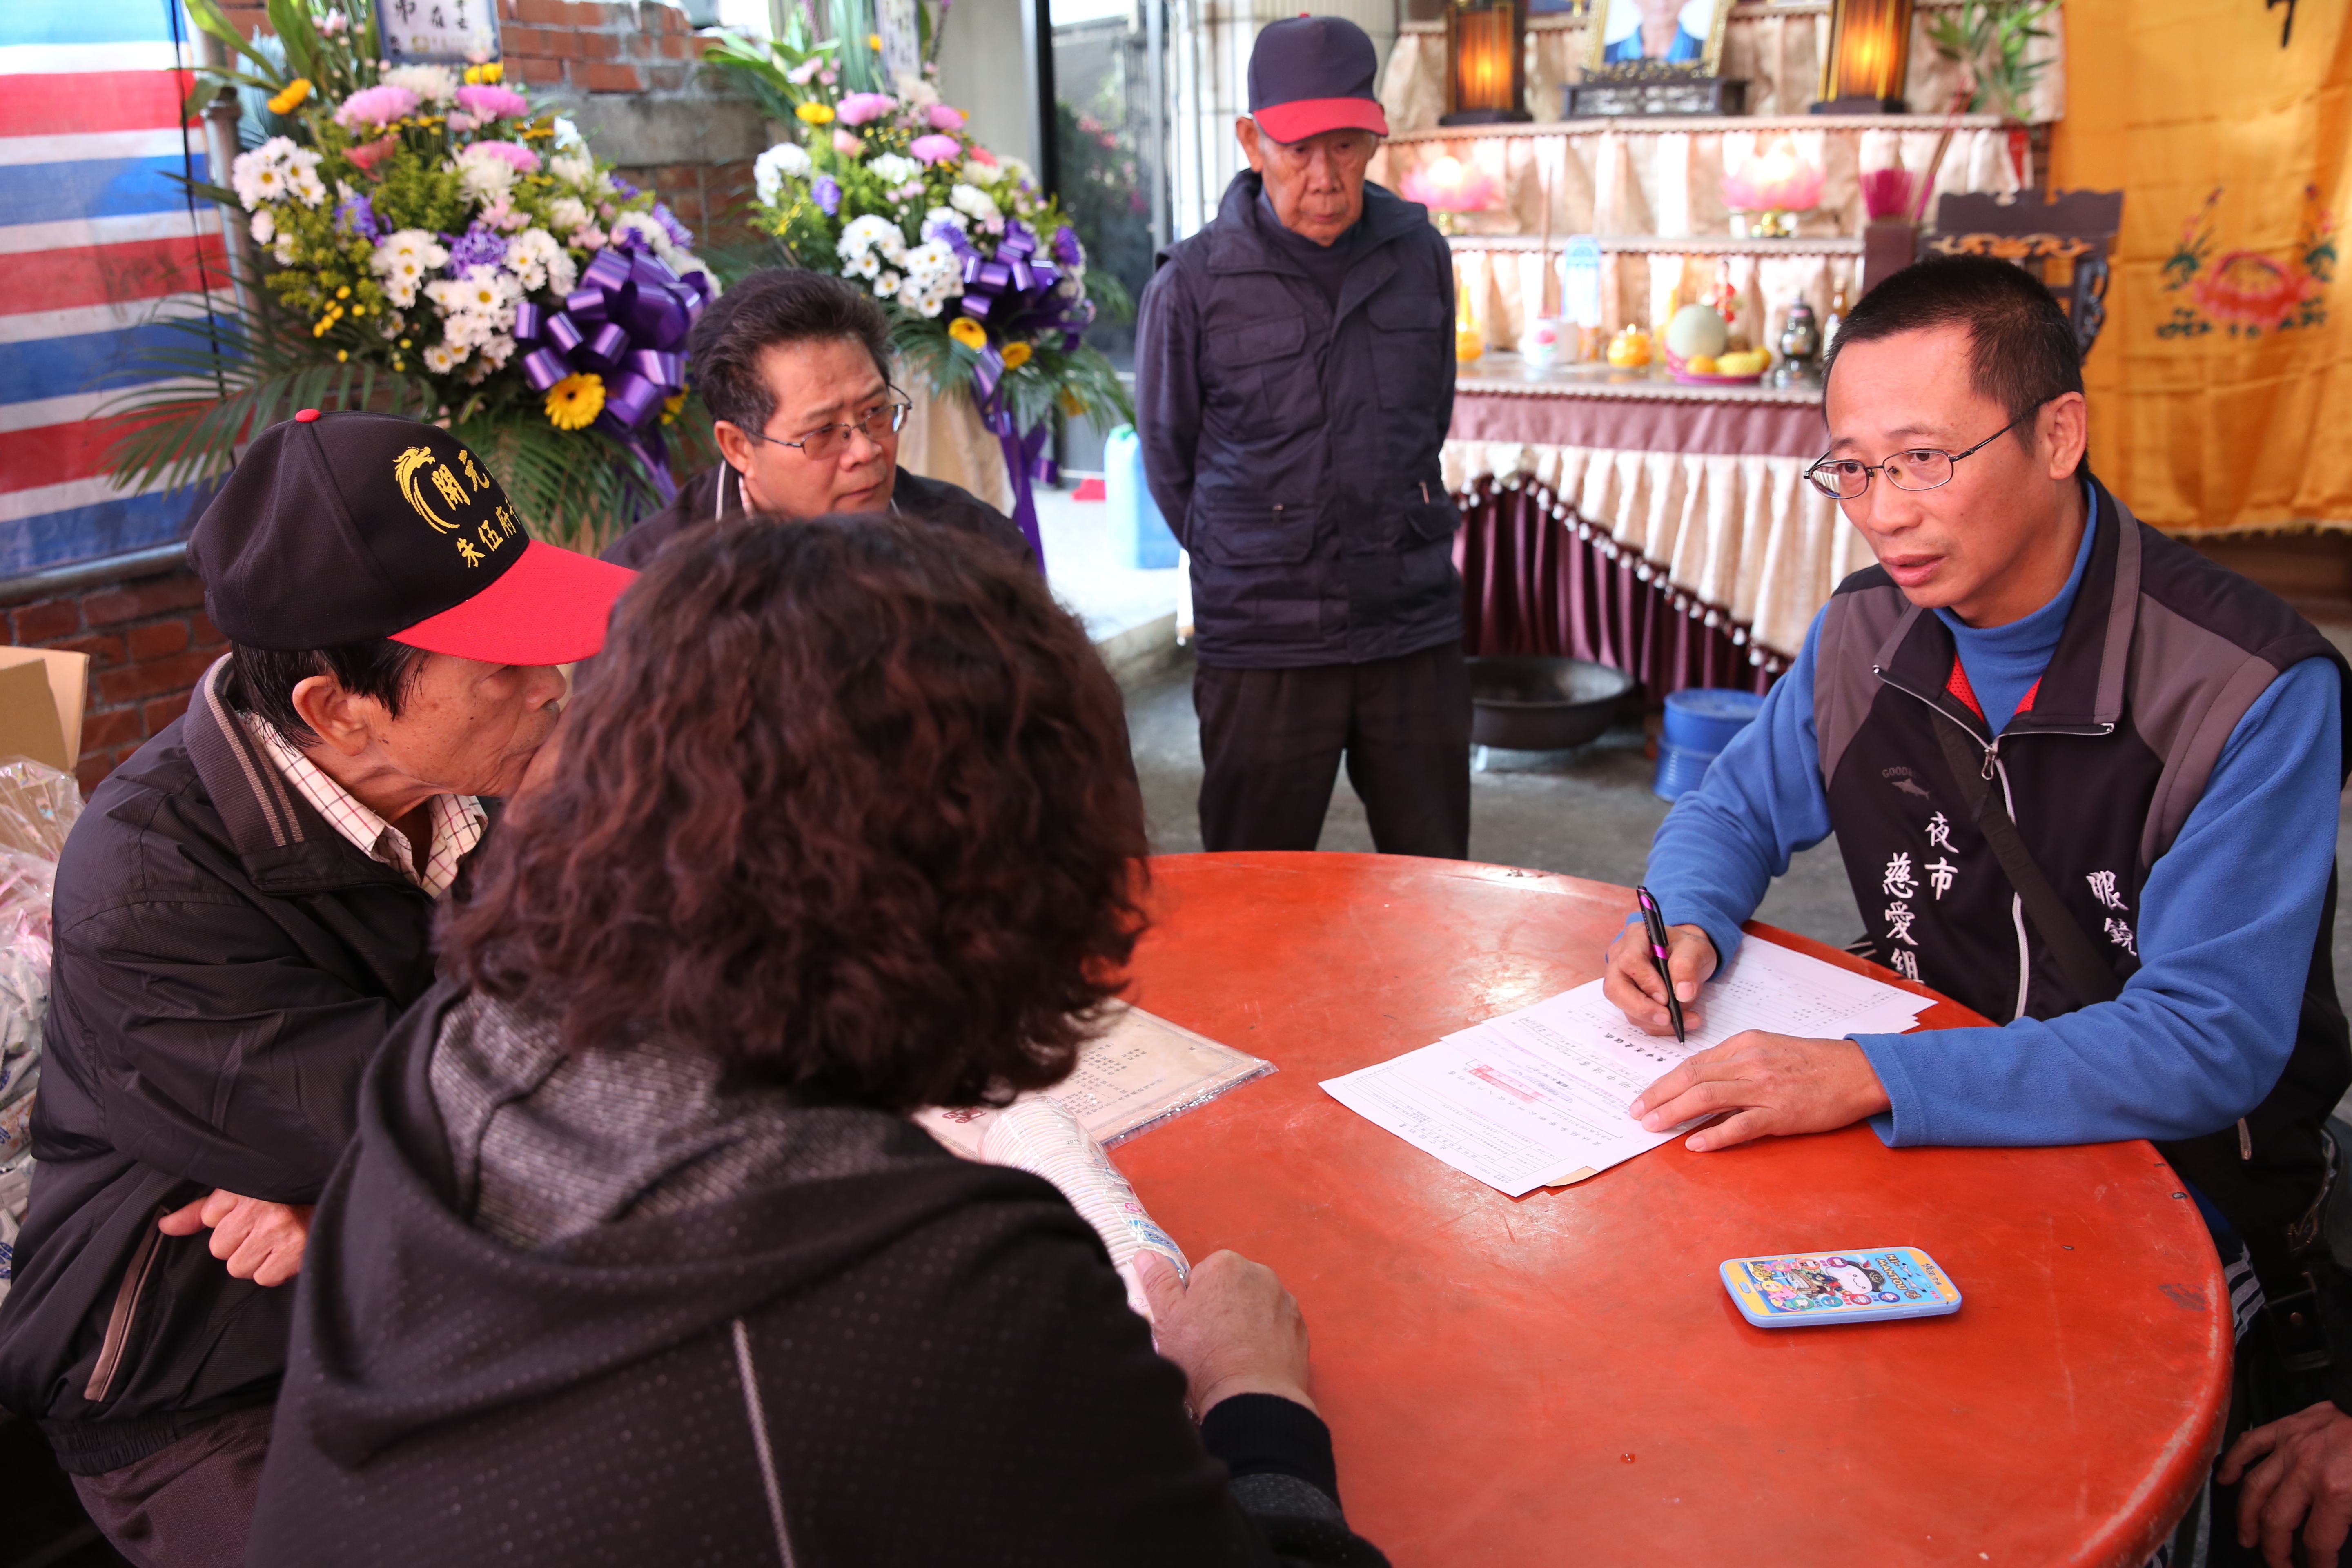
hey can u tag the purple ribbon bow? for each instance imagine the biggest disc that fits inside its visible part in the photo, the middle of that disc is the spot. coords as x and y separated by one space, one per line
627 323
1013 292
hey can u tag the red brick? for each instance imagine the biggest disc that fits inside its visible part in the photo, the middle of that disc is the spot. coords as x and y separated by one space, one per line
104 652
203 633
155 677
604 78
542 13
673 47
543 73
41 622
101 732
163 710
93 770
131 601
520 44
155 641
597 46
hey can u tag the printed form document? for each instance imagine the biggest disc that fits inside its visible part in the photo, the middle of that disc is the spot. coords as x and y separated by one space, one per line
1538 1098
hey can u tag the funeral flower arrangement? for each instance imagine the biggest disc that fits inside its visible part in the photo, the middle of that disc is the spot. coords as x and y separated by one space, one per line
984 277
430 244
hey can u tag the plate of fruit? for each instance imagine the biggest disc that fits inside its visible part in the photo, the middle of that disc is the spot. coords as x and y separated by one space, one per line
1733 368
1699 351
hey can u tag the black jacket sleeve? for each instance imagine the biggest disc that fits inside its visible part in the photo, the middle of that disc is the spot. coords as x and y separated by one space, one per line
1111 1468
209 1048
1168 402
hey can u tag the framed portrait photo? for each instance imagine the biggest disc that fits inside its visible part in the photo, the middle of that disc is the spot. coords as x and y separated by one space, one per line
1654 38
439 32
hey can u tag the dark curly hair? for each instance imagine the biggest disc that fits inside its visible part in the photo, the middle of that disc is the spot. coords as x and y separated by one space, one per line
846 803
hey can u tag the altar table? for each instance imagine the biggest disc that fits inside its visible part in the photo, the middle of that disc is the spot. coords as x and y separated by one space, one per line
1561 1379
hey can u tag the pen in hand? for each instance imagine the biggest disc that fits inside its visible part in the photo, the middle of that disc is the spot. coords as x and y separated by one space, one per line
1657 925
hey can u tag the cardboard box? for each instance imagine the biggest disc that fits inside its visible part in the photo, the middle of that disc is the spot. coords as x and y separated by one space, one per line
42 694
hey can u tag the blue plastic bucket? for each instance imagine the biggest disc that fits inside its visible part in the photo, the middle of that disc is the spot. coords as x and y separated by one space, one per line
1679 770
1705 718
1140 536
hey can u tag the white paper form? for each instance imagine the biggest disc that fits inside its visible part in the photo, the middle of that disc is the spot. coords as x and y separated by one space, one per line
1539 1097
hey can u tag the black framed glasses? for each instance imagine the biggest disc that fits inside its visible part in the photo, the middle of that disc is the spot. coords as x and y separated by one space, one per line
1914 468
824 443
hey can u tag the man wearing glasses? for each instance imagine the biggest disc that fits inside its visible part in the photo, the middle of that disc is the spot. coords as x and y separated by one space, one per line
1294 379
794 368
2083 780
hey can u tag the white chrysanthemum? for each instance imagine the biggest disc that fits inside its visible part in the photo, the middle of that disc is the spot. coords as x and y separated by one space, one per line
1013 171
441 359
306 185
285 249
784 160
497 349
566 213
867 234
477 305
961 224
404 260
574 169
265 226
257 179
434 84
915 92
535 257
567 135
485 175
975 201
685 261
893 169
392 326
886 285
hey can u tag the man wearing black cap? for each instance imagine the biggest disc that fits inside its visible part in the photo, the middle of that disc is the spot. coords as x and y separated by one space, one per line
242 911
1294 379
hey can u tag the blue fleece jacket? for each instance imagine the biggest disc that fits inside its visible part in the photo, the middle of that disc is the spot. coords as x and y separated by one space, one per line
2201 1031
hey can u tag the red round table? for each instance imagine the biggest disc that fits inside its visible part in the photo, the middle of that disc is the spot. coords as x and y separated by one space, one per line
1561 1378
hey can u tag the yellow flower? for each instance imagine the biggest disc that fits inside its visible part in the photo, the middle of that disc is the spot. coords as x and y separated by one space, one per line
968 332
290 100
874 42
1016 355
671 404
490 71
574 402
814 114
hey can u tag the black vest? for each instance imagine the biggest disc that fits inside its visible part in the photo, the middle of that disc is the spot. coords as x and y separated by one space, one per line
2162 654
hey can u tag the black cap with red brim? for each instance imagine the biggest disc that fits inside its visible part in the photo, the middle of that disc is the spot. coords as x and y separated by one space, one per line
336 528
1312 74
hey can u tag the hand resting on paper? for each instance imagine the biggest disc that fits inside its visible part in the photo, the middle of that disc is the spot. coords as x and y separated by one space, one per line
259 1241
1234 1329
1775 1085
1630 980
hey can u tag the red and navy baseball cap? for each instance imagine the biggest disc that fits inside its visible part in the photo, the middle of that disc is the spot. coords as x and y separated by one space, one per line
336 528
1312 74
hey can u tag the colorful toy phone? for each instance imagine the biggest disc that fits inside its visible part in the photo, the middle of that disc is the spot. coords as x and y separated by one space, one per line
1857 1286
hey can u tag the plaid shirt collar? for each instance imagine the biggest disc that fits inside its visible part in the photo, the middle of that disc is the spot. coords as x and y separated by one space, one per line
457 820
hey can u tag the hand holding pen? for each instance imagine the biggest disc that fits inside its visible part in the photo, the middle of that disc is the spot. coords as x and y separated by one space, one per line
1658 998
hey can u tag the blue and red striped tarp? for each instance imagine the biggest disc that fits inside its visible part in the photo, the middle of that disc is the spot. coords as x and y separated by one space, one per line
95 243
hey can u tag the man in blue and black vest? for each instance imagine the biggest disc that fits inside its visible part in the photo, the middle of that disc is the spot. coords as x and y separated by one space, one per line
1294 379
2084 780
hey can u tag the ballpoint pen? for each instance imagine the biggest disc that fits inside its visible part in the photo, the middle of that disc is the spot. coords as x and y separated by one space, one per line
1657 924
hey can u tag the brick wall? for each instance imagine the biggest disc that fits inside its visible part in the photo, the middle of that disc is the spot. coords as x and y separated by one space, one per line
627 70
148 640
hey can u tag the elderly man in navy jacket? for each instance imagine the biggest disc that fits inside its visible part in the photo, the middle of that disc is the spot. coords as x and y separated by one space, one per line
1294 378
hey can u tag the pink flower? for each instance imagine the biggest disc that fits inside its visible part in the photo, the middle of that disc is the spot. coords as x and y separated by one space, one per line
368 155
980 154
485 103
586 238
858 108
942 117
375 106
846 144
935 148
462 121
522 158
